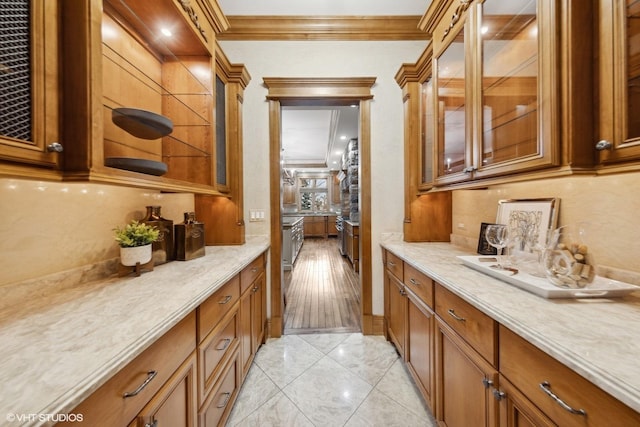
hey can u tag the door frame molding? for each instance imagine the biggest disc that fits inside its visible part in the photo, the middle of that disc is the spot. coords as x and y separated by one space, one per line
288 91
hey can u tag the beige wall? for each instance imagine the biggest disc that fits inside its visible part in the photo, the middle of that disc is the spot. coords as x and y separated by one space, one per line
609 203
49 227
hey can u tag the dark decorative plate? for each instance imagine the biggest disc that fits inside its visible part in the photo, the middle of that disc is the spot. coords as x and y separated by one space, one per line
150 167
141 123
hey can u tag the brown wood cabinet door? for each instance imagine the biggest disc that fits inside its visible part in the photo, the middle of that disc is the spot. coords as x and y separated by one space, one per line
517 411
245 331
258 314
397 312
464 383
419 346
619 65
175 404
30 102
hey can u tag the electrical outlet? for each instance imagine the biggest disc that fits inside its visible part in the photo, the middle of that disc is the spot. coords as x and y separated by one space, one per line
256 215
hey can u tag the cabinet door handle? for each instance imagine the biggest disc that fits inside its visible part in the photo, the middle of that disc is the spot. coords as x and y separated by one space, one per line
455 316
546 387
414 282
153 423
55 147
402 292
225 343
225 300
603 144
226 395
150 375
255 289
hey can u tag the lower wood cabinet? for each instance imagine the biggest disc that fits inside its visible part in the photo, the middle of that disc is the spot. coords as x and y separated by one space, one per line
472 371
463 382
192 374
175 404
121 399
217 407
562 395
352 232
419 350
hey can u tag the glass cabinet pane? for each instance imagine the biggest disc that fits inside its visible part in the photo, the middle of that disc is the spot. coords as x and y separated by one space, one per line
633 68
221 133
509 80
426 174
451 107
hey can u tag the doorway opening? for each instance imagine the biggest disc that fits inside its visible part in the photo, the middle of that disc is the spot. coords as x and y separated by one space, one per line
320 209
285 92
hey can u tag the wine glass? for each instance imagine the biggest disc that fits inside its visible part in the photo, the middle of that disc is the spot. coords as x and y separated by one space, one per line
497 236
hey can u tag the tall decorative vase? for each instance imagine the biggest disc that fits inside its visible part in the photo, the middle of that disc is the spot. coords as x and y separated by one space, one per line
163 250
138 254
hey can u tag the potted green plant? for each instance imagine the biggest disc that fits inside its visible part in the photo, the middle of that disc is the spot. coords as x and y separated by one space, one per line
135 241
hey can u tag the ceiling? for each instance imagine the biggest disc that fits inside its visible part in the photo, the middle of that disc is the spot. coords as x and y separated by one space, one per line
315 137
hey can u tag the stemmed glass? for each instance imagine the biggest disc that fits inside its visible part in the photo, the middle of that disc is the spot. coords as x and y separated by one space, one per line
498 236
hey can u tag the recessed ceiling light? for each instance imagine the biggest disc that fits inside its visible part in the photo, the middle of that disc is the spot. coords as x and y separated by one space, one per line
353 105
166 32
343 137
484 29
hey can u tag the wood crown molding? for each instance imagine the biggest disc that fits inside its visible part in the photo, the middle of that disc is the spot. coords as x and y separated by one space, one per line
312 88
434 15
234 73
418 72
350 28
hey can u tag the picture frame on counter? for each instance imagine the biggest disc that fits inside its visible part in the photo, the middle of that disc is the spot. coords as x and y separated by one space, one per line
484 248
536 217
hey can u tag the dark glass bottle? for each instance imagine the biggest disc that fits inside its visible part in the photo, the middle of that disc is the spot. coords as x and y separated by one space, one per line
189 238
163 250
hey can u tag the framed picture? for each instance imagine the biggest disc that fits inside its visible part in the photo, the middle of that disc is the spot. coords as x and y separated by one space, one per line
484 248
532 219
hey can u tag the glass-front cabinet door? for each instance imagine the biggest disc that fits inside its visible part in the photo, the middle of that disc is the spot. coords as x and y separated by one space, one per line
496 89
451 105
515 86
619 85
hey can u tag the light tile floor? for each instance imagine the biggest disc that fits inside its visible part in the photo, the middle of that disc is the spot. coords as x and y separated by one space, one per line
329 380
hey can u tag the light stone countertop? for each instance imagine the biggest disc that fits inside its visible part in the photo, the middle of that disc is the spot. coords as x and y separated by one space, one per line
597 338
57 349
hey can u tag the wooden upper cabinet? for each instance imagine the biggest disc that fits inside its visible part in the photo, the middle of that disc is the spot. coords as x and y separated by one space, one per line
496 94
619 81
158 57
30 84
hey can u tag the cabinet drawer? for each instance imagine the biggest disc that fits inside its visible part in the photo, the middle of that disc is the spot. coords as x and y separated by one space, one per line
216 306
475 327
220 400
532 371
394 265
419 283
250 272
212 351
108 406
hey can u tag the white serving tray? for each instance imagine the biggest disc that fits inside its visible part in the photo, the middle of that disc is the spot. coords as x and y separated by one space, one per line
601 287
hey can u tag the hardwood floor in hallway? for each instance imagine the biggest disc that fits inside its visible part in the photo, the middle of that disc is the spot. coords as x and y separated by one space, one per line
322 292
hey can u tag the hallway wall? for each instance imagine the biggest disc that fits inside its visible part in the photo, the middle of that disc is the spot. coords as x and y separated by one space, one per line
330 59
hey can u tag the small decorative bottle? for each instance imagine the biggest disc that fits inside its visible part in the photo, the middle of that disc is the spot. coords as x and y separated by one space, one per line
163 250
189 238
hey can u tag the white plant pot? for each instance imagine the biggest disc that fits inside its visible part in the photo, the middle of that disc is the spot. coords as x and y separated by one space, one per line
138 254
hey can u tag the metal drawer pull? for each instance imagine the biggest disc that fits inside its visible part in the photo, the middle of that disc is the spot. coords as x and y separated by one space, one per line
455 316
254 269
150 375
391 263
225 343
225 300
226 400
546 387
153 424
414 282
256 288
